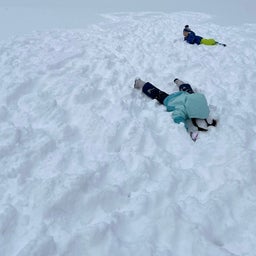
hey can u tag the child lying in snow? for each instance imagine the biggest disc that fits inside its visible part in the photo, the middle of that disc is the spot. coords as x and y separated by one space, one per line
192 38
186 105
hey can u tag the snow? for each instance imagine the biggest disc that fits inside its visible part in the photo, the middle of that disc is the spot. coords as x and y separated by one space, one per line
21 17
90 166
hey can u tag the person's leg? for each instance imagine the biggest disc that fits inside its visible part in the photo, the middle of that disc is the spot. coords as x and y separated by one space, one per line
208 41
150 90
183 86
154 93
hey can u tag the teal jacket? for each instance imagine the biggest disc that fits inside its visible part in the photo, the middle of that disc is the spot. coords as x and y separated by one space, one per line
185 106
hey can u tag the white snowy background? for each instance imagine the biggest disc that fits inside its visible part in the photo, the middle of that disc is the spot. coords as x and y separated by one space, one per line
91 167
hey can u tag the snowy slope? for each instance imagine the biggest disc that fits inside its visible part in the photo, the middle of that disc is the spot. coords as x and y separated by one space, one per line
90 166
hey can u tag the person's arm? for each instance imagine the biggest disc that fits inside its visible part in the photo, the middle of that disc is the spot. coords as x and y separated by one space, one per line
191 37
178 115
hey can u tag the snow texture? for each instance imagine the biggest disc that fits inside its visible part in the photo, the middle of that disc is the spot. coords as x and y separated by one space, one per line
90 166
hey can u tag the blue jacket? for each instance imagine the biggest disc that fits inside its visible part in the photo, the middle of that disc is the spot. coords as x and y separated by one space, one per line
185 106
192 38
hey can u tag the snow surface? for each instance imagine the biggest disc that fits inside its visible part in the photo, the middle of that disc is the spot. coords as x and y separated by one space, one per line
21 17
90 166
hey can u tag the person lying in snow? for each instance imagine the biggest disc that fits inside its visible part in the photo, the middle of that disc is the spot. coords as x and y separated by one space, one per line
192 38
187 106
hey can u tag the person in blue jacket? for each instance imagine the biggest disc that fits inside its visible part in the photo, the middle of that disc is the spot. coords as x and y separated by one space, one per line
191 38
186 105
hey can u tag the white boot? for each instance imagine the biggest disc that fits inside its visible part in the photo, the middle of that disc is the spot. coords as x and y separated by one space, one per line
138 84
178 82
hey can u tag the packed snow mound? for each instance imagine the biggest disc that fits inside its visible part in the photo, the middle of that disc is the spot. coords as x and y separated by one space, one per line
90 166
